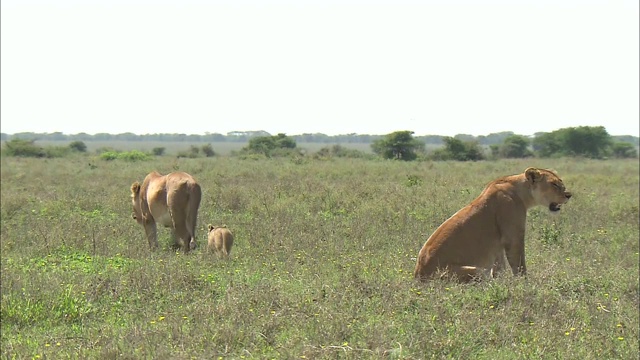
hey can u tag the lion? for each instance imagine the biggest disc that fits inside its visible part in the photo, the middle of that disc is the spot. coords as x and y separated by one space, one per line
171 200
473 242
220 240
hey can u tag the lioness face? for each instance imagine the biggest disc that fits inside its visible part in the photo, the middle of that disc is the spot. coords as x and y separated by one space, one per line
135 194
547 188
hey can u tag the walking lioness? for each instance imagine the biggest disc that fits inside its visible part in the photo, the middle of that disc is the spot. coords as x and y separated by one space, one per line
475 239
171 200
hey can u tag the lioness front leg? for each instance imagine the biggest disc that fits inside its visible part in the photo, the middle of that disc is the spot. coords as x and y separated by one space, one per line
515 255
152 234
498 265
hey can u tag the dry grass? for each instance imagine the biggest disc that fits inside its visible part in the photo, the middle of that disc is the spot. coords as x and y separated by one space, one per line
321 266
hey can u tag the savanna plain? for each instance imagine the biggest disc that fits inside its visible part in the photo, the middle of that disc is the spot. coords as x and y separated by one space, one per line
321 268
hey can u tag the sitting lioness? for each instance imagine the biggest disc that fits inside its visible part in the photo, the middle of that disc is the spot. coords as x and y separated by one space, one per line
473 241
171 200
220 240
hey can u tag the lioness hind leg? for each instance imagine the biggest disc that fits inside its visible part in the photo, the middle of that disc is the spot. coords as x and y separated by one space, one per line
175 241
181 232
499 265
183 238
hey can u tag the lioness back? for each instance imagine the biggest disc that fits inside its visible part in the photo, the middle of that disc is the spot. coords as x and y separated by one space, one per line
474 240
170 200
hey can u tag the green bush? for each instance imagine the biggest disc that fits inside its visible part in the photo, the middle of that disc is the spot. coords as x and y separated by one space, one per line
78 146
207 150
133 155
399 145
279 145
624 150
339 151
24 148
109 155
456 149
57 151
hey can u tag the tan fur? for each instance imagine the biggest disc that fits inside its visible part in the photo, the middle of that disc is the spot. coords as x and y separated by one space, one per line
170 200
473 242
220 240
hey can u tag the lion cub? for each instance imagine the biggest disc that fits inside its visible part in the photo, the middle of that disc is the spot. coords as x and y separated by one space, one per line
474 240
220 240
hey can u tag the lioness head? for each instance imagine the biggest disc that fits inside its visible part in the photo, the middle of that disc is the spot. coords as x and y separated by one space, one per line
212 227
135 195
547 188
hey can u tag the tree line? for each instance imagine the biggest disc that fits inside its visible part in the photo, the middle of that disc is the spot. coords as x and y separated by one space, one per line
584 141
245 136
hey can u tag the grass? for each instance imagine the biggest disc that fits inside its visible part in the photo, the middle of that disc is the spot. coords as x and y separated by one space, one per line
321 266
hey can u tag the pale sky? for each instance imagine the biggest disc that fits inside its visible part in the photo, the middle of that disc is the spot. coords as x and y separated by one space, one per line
435 67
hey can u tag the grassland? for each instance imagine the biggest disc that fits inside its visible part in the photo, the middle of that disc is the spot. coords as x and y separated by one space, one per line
321 266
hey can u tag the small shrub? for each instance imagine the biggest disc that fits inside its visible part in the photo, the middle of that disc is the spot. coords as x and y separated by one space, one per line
24 148
624 150
109 155
56 151
207 150
340 151
133 155
158 151
105 149
78 146
413 180
186 154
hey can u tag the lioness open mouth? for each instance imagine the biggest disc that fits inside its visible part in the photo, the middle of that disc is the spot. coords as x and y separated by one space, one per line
554 207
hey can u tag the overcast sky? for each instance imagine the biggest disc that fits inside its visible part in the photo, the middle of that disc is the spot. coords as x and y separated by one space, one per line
319 66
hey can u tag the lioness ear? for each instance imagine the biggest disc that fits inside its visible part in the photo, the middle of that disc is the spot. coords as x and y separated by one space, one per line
532 174
210 227
135 188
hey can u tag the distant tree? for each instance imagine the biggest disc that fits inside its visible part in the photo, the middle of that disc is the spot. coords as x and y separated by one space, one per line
547 144
431 139
465 137
456 149
24 148
261 145
494 138
28 148
284 142
624 150
340 151
207 150
515 146
78 146
267 145
587 141
463 150
633 140
399 145
56 136
158 151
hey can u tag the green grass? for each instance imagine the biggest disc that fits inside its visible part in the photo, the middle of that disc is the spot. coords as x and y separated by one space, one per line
321 266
